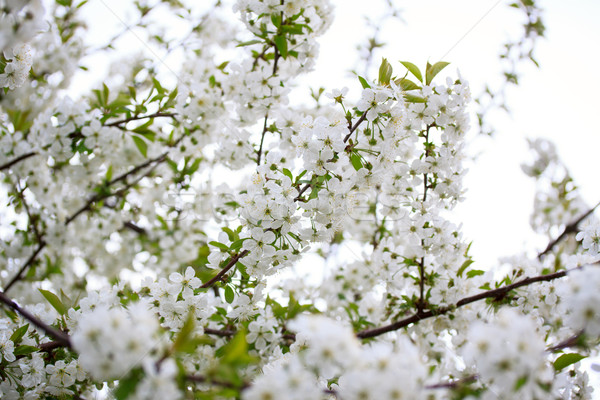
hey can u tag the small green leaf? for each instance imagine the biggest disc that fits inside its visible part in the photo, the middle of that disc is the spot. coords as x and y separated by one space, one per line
229 294
185 334
23 350
236 351
474 272
433 70
237 244
406 84
128 384
140 144
364 82
18 334
356 162
520 382
413 70
567 359
282 45
276 19
411 98
219 245
230 234
464 266
385 72
54 301
249 42
287 173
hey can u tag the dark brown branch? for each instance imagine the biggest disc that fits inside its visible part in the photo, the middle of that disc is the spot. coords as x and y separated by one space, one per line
16 160
225 269
352 128
138 117
219 332
137 229
301 191
421 315
124 176
572 341
27 264
49 346
60 337
265 126
453 384
571 228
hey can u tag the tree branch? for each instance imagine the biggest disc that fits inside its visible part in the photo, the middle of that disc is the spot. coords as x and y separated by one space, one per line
421 315
59 336
124 176
29 261
265 126
225 269
16 160
138 117
352 128
571 228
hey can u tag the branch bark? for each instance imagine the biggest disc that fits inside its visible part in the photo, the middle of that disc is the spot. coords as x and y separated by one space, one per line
16 160
59 336
225 269
571 228
421 315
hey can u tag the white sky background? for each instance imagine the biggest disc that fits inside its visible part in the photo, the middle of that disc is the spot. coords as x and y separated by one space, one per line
558 101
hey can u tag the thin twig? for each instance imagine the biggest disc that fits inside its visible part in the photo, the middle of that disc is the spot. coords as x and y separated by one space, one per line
25 266
16 160
571 228
138 117
495 293
225 269
102 196
60 337
353 128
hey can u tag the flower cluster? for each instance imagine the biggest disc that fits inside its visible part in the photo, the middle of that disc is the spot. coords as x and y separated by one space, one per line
17 70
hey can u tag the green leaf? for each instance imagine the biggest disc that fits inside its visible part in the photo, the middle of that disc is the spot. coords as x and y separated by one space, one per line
54 301
413 70
433 70
363 82
158 86
567 359
236 351
407 84
237 244
282 45
520 382
229 294
288 173
230 234
356 162
23 350
464 266
140 144
185 334
411 98
219 245
249 42
385 72
18 334
474 272
276 19
128 384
